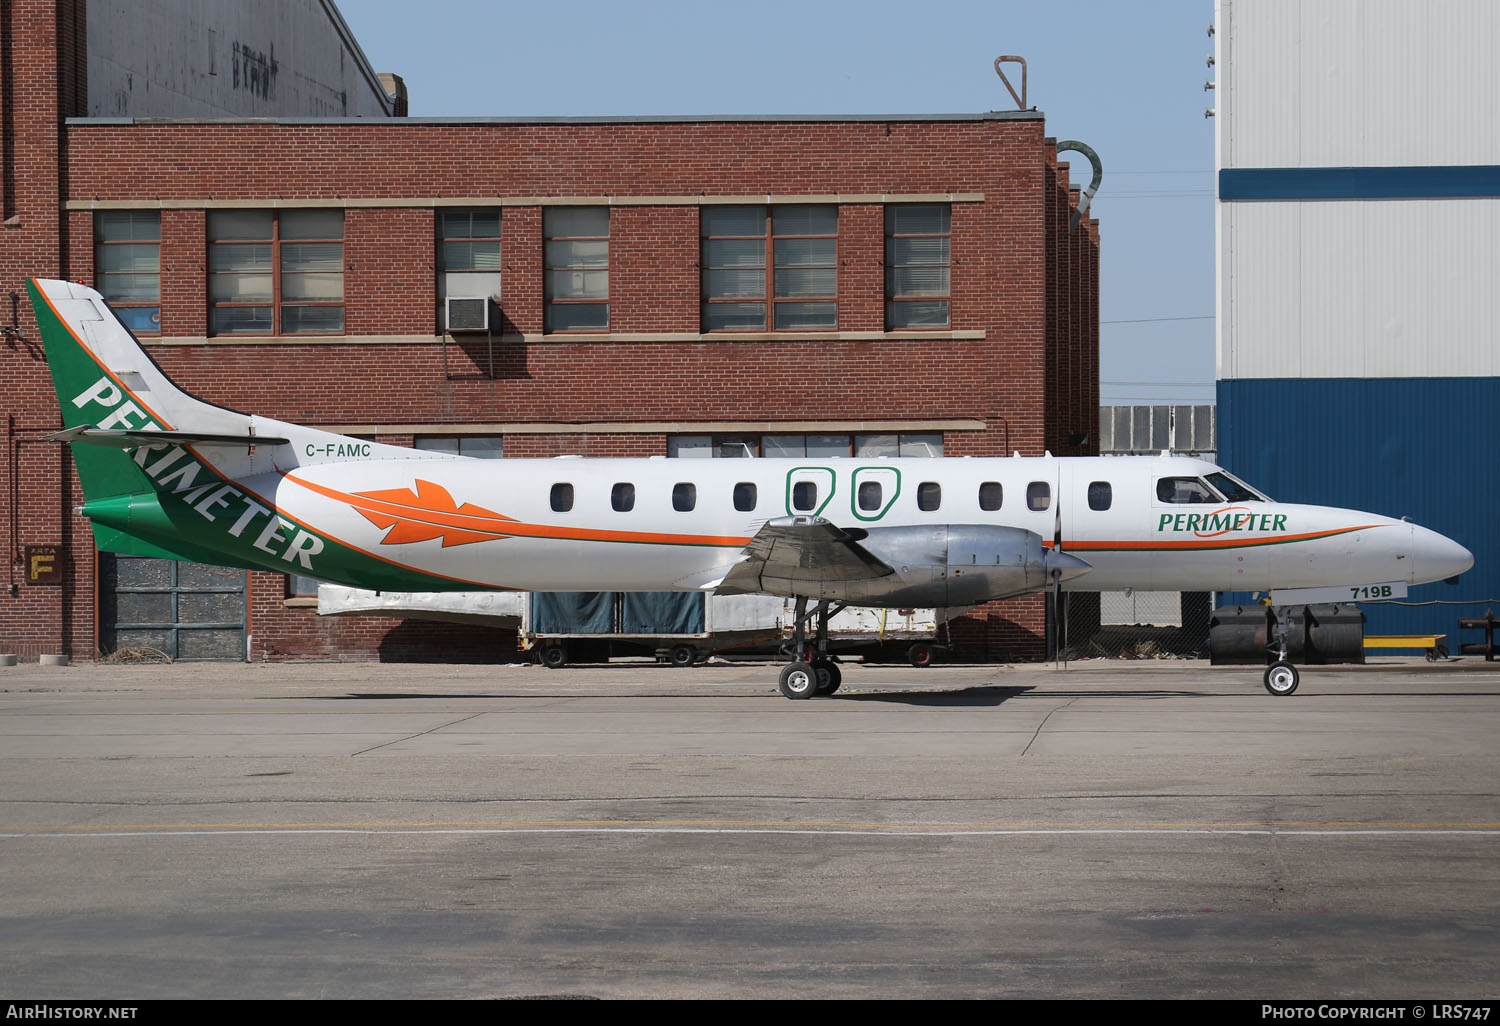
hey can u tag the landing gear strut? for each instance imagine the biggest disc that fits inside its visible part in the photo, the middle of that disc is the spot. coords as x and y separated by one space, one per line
811 670
1281 677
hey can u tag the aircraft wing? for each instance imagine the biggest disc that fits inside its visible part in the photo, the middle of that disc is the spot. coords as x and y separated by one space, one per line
801 549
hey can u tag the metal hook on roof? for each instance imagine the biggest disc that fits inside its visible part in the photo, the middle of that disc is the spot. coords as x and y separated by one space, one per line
1088 194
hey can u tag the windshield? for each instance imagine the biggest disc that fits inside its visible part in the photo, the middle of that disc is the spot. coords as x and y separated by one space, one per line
1234 489
1183 489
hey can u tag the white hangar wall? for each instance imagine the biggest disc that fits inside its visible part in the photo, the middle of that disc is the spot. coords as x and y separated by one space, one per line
1358 155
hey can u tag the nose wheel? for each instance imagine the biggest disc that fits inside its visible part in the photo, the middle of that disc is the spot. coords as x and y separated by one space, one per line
1281 678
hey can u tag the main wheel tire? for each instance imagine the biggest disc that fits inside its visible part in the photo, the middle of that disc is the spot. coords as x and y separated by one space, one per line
919 655
1282 678
682 655
798 680
554 657
829 676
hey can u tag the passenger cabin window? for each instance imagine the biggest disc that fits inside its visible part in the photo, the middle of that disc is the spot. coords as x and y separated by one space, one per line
622 497
929 496
745 496
1184 490
562 498
990 496
805 496
870 496
1101 496
684 497
1038 496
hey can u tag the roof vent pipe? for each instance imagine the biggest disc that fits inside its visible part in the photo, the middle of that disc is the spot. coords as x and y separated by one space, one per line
1020 99
1088 194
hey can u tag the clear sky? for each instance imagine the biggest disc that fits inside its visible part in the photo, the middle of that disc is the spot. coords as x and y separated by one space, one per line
1126 78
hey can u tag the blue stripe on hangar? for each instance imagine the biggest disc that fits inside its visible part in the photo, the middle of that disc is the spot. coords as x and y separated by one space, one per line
1414 446
1315 183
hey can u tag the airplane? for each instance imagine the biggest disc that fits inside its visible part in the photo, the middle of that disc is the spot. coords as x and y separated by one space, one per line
169 475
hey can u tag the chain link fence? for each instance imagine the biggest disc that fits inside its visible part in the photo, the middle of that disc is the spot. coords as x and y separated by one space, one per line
1139 625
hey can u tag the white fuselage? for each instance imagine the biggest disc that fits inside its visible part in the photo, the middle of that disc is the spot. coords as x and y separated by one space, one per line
505 523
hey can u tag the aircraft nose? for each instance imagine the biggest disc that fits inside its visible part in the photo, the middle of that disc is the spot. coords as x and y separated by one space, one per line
1064 564
1435 557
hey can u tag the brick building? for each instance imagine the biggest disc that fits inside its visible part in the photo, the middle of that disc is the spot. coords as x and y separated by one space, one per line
666 285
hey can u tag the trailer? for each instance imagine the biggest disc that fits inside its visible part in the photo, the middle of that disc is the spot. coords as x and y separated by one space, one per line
679 628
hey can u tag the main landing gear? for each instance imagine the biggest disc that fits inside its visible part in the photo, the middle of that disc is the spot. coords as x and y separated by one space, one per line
811 670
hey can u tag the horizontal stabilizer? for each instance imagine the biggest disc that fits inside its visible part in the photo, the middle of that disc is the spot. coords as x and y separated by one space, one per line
114 438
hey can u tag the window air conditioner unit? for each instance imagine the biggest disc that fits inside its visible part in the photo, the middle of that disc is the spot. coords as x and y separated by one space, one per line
467 314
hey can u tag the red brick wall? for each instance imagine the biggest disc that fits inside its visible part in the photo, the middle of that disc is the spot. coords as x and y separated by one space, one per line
1018 275
390 277
44 40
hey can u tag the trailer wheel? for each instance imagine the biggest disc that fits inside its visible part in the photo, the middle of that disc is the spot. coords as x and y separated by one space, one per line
919 655
554 657
682 655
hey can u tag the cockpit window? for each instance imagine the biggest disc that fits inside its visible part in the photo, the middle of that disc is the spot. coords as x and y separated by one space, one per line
1234 491
1184 489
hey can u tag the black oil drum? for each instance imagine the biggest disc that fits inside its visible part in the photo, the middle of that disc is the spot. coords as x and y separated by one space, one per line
1320 634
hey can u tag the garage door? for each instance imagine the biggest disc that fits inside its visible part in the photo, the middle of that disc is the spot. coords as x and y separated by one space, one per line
187 610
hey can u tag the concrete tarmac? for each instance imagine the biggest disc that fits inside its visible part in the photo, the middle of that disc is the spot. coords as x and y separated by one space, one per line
1153 829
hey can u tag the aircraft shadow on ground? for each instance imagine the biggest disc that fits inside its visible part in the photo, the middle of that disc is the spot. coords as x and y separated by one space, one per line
379 695
986 695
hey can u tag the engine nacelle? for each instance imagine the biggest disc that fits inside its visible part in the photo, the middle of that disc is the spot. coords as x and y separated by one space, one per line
949 565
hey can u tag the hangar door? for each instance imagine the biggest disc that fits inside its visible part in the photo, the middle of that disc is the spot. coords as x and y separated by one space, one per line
190 611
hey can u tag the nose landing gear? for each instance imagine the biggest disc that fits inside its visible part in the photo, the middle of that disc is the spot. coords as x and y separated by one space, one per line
1281 677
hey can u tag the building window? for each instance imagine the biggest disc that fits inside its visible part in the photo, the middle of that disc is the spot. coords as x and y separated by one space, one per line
577 268
715 446
127 266
480 447
915 443
789 254
276 272
916 266
469 252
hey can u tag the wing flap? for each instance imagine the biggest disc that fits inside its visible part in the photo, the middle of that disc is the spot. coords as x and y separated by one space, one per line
801 549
